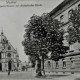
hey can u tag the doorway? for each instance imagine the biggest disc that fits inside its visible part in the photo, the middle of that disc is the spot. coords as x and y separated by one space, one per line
10 65
0 56
0 66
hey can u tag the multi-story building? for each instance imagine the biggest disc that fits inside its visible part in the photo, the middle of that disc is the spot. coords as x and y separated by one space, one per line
9 57
72 59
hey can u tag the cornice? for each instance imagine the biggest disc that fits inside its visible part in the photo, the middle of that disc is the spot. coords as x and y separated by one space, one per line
62 7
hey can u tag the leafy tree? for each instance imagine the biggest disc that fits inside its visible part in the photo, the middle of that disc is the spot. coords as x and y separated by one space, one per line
43 34
74 28
55 38
31 43
32 59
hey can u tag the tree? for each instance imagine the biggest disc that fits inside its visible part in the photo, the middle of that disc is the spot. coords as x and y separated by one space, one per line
31 42
32 59
55 38
74 29
43 34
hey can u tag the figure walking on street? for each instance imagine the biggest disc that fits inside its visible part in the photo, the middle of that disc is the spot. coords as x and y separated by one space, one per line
8 72
9 67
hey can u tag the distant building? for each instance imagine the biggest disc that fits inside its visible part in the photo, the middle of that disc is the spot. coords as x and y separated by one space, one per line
71 62
9 57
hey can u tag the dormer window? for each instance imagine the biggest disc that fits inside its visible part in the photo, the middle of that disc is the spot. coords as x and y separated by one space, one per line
61 18
70 13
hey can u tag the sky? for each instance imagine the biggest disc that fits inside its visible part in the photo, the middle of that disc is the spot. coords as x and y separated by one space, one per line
13 19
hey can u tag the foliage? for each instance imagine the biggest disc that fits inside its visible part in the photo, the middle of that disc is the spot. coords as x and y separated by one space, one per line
43 34
32 59
74 28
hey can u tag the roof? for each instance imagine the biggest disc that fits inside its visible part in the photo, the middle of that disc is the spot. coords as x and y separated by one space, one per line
60 6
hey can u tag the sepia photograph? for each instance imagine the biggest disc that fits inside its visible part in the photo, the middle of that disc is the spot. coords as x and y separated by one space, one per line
39 39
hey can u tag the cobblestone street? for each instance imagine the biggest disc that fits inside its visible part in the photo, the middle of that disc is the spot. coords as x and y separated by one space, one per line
30 75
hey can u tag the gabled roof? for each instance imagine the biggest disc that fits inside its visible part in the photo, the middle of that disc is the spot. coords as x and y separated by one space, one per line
12 48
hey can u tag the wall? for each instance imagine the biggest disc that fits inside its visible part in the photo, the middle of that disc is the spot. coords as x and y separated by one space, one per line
64 11
72 65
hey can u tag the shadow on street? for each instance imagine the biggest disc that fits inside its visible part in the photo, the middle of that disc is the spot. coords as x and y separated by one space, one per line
52 76
77 79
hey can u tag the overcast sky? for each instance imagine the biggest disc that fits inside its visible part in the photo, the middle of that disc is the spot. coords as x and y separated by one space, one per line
13 19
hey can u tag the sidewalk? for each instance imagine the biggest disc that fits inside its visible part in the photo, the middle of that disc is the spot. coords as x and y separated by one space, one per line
61 76
55 76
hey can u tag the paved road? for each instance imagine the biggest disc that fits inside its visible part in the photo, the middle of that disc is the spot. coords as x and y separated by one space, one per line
30 75
18 75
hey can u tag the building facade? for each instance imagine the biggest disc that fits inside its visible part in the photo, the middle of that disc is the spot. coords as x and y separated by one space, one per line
71 62
9 58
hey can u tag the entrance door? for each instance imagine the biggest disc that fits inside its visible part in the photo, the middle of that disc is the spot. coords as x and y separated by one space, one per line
0 56
0 66
9 65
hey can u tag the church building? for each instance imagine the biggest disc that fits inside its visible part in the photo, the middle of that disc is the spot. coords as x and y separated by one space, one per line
9 57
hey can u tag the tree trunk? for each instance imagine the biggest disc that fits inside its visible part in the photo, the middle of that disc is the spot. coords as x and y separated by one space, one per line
42 62
38 70
43 65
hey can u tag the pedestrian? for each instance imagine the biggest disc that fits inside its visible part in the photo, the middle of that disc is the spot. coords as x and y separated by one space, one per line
8 72
43 71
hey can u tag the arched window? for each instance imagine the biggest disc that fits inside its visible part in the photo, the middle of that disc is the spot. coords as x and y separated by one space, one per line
64 64
9 48
70 13
61 18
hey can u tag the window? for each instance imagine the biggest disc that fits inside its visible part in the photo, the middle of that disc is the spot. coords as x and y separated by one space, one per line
70 13
49 64
79 7
64 64
72 63
9 55
9 48
61 18
57 65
